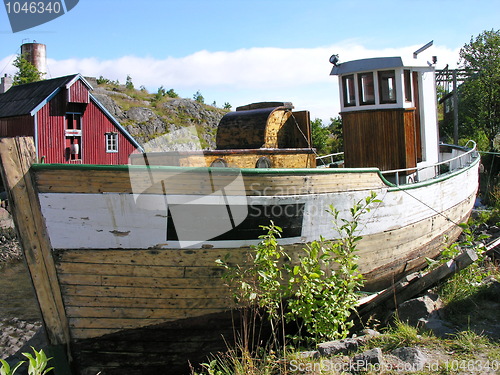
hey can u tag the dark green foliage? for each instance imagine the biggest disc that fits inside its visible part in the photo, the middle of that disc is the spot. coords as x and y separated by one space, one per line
103 81
162 93
172 94
479 106
327 139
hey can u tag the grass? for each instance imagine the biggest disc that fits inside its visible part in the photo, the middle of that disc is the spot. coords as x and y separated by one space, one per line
468 342
466 297
242 362
400 334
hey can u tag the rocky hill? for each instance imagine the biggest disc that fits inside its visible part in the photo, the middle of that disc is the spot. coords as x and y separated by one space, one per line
147 116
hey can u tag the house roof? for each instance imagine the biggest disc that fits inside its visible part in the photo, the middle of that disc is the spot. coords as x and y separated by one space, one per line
23 99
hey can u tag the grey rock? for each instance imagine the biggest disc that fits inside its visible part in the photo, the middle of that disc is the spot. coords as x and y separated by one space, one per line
370 357
145 123
413 310
108 103
412 356
344 346
310 354
140 114
369 333
439 328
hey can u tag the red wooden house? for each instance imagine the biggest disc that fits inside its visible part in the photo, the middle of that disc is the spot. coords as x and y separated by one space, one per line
67 123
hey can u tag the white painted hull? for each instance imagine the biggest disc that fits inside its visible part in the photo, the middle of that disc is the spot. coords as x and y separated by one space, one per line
121 220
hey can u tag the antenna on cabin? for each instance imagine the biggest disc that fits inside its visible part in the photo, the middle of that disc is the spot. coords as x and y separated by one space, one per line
422 49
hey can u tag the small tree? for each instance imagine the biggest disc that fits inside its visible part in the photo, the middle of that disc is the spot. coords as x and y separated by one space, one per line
128 83
172 94
198 97
27 72
319 134
336 140
160 93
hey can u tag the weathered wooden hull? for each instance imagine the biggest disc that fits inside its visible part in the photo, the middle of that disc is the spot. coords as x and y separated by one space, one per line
111 258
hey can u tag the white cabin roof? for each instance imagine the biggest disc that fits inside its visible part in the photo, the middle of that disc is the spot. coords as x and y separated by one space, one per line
376 63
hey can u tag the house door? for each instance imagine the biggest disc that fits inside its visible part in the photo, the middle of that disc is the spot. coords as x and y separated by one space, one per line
73 133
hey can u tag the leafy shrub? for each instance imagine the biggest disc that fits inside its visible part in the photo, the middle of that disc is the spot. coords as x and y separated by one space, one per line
37 364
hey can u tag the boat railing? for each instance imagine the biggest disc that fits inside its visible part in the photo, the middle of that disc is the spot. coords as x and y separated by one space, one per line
466 156
326 161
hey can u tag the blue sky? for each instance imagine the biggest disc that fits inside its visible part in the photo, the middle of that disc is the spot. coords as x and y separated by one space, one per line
242 51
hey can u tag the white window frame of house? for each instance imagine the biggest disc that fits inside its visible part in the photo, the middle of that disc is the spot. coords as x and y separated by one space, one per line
111 142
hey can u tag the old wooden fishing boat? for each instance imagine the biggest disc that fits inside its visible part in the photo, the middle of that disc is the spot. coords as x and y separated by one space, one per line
123 257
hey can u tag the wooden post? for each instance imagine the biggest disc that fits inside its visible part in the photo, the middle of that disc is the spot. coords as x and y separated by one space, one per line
16 157
455 107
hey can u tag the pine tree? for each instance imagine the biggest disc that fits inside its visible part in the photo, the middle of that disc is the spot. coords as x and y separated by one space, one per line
27 72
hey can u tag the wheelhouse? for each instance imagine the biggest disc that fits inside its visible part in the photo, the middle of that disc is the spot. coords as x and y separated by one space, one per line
389 114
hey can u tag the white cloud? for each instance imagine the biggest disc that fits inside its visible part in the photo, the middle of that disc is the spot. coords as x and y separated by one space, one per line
300 75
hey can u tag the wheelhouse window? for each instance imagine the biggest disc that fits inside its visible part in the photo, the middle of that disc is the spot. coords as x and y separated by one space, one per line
407 78
387 86
348 89
366 88
111 142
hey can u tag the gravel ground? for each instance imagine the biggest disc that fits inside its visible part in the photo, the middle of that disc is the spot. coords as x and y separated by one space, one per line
16 334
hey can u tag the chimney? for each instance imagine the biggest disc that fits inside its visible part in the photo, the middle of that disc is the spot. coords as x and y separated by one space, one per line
5 83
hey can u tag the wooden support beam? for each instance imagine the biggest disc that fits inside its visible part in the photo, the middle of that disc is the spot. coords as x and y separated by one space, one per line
16 157
414 284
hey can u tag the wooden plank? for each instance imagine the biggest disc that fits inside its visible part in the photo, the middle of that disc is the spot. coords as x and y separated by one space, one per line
142 302
154 257
115 314
16 155
139 282
91 181
411 286
119 324
134 292
441 273
138 270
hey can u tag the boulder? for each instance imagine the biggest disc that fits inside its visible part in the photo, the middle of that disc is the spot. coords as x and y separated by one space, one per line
413 310
371 357
414 357
439 328
345 346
